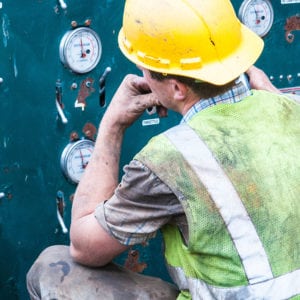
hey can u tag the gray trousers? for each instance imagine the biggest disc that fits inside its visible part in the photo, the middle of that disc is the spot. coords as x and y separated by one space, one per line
55 276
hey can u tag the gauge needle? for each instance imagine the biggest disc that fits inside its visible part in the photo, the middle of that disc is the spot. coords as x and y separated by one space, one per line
83 54
256 14
83 164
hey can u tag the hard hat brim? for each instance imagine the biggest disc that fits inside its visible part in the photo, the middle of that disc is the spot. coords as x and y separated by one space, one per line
218 72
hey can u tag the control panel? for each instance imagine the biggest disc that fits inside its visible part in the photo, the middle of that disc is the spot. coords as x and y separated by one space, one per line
59 67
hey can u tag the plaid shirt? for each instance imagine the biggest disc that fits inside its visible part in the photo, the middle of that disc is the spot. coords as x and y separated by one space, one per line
235 94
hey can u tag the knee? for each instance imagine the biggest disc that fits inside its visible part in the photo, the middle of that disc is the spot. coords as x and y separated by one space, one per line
42 269
50 255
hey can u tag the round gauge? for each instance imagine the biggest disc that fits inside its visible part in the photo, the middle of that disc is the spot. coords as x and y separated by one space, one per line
75 158
80 49
258 15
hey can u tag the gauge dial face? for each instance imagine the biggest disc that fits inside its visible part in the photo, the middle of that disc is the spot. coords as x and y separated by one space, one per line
75 158
258 15
80 49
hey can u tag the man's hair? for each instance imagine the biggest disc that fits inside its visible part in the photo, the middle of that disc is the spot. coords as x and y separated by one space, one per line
203 89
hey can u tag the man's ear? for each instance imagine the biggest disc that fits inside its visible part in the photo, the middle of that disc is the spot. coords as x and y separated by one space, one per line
180 90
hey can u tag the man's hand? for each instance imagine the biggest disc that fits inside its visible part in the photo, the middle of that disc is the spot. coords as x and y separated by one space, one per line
259 80
131 99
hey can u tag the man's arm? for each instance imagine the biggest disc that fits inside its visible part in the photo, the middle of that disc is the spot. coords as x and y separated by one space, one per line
259 80
90 244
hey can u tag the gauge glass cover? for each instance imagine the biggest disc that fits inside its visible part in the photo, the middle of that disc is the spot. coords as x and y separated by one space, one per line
80 49
258 15
75 158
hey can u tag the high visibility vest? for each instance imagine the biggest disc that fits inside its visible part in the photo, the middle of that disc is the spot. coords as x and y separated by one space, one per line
235 168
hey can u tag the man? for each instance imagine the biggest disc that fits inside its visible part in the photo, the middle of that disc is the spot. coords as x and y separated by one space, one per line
222 186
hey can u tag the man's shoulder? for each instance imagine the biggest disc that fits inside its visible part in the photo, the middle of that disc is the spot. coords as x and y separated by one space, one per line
158 147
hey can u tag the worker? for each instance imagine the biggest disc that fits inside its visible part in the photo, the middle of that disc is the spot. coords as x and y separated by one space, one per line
222 186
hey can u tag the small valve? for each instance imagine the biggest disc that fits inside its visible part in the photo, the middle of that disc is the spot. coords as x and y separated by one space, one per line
58 101
102 80
63 4
60 207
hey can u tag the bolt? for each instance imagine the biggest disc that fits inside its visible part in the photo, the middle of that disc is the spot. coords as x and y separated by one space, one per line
74 24
87 22
74 86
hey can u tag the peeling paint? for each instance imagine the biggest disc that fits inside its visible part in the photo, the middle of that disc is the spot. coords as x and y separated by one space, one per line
15 66
5 26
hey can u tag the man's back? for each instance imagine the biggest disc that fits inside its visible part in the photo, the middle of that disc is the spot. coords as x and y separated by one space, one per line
243 175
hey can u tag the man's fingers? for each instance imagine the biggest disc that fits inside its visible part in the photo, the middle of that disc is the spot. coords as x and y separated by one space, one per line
149 100
141 85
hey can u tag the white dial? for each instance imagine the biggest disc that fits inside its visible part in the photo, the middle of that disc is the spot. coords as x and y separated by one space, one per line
80 49
258 15
75 158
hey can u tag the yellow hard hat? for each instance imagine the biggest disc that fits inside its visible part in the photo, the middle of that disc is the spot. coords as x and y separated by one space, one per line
202 39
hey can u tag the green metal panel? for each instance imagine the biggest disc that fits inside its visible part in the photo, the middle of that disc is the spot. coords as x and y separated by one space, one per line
32 137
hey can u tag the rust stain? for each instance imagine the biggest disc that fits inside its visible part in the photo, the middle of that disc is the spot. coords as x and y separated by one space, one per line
86 89
89 131
60 206
71 198
87 22
132 262
74 136
292 23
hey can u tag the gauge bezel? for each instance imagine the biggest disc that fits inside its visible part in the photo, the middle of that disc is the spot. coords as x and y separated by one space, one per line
65 158
243 11
64 48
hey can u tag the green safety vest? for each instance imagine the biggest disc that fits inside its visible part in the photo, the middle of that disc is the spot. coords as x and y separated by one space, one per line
235 168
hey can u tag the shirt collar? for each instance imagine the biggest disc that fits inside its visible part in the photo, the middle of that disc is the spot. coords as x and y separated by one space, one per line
239 91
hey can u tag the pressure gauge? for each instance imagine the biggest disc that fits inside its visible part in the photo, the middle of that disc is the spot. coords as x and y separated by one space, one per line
80 49
258 15
75 158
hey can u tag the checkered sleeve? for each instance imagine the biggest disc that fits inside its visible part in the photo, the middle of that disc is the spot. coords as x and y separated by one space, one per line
141 205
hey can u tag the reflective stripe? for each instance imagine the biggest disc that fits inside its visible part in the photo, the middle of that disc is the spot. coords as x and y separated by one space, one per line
223 193
178 277
282 287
